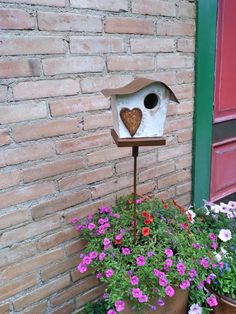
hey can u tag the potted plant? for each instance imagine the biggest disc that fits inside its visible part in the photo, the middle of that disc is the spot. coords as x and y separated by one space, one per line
144 272
219 221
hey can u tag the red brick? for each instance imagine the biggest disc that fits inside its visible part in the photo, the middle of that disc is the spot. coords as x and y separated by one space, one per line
143 162
186 45
13 218
45 88
75 247
175 28
186 9
107 155
4 137
184 91
28 153
184 162
185 107
184 200
172 109
54 21
5 308
98 121
146 188
65 309
41 293
59 203
63 65
156 171
174 178
22 45
92 45
16 19
8 179
29 231
166 194
104 5
167 61
53 168
96 84
78 104
92 176
153 7
172 152
169 77
184 136
183 188
53 3
152 45
23 112
128 25
16 286
184 76
45 128
57 238
75 275
90 295
111 186
84 210
82 143
178 124
130 63
25 194
32 263
20 67
75 290
37 309
59 267
3 89
17 253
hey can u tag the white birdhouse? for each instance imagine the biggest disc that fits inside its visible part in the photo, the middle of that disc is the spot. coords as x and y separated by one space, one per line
139 109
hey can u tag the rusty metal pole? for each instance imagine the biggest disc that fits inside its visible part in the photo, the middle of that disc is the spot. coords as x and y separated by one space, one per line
135 155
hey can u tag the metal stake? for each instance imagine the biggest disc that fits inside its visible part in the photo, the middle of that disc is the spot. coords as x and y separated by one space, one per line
135 155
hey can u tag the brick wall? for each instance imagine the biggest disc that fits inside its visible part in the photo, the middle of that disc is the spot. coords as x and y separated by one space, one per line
57 158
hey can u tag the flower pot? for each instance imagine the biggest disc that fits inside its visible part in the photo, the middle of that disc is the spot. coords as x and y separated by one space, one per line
173 305
226 305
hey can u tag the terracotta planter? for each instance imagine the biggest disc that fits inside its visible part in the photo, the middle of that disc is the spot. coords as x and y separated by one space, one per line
225 305
174 305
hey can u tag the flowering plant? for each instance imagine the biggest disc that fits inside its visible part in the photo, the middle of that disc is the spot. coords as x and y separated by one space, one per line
219 221
166 253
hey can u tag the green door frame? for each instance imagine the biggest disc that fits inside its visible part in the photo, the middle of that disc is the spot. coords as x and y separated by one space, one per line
204 98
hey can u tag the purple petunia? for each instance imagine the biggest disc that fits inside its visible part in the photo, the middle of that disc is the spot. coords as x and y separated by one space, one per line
160 302
140 260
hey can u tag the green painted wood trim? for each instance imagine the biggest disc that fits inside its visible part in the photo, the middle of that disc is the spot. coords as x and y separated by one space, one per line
204 98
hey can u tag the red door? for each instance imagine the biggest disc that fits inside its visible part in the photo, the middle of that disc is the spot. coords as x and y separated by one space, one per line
223 164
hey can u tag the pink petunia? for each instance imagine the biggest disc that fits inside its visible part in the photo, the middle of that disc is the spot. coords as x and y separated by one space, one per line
181 268
120 305
169 291
125 251
168 252
184 284
143 298
140 260
101 256
106 241
87 260
211 301
163 282
109 273
134 280
91 226
137 293
82 268
93 254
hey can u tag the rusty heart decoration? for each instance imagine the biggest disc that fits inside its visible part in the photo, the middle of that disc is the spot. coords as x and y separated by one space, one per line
131 119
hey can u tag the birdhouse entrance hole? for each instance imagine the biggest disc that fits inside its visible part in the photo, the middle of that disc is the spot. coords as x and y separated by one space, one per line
151 101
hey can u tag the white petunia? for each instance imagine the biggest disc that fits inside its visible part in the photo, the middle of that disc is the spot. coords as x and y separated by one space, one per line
225 235
191 214
218 257
195 309
216 208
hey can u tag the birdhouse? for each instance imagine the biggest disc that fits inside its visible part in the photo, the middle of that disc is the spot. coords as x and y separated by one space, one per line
139 109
